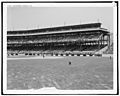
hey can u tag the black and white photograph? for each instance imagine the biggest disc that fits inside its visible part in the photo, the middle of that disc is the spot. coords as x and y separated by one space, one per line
60 48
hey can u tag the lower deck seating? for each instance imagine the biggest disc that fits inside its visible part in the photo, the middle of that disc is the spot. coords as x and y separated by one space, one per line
55 49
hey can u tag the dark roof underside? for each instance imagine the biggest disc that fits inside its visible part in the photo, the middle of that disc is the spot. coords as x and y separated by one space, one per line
80 26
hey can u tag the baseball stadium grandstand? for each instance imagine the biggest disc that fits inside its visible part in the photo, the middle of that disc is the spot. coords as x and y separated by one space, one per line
63 58
80 39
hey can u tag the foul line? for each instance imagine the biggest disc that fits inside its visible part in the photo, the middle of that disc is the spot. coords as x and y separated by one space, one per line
39 57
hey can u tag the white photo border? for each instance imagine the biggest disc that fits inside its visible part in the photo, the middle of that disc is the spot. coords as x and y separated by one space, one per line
34 92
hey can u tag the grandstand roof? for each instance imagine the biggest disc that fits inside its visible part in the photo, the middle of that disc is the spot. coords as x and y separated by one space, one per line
66 31
59 28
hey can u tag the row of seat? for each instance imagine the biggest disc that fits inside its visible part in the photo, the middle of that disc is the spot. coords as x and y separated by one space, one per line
54 39
41 49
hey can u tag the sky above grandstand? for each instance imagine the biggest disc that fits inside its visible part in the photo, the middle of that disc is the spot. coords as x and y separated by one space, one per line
22 18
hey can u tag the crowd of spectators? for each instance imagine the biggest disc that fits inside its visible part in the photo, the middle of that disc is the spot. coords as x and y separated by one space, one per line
71 42
48 39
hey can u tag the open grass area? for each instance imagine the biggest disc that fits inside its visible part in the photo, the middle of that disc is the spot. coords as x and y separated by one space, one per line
83 73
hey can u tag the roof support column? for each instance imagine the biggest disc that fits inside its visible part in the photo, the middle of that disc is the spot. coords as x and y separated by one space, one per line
108 41
99 44
103 39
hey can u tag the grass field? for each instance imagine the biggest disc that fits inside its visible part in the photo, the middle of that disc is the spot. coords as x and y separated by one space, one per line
84 73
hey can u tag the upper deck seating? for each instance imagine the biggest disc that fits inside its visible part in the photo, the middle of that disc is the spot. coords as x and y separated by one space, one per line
53 39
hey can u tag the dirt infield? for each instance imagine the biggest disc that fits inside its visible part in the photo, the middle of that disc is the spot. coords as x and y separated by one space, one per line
83 73
34 57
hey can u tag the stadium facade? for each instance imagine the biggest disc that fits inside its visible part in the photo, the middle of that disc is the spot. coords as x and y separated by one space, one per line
73 39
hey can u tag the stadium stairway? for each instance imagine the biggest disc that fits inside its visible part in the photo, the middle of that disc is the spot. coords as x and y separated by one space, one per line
102 50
